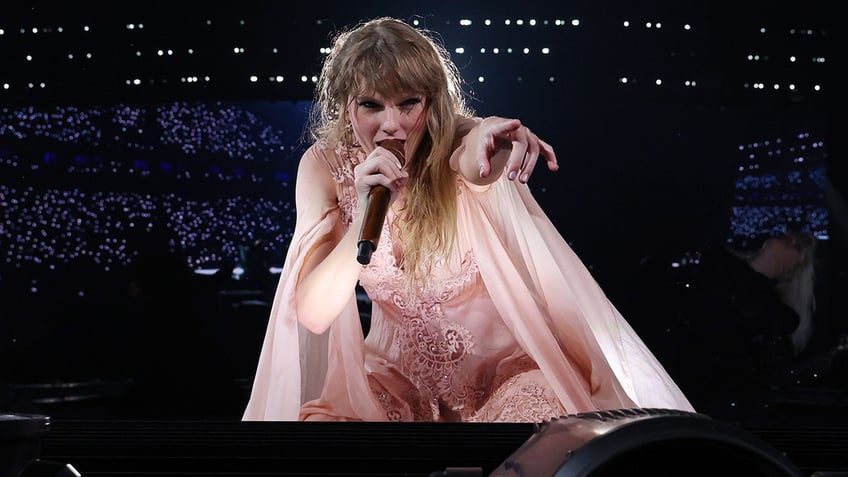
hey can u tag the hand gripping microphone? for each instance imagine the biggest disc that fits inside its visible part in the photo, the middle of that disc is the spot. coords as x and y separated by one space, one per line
376 209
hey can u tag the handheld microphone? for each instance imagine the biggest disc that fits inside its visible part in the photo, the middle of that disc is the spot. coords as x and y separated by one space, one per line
376 209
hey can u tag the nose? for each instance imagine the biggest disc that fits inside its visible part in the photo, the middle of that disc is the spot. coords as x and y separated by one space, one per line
391 121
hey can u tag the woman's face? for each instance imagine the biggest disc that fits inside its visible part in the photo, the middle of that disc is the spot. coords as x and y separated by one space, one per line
784 252
376 118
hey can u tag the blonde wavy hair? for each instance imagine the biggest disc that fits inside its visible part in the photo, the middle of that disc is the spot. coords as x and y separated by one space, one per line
797 288
389 57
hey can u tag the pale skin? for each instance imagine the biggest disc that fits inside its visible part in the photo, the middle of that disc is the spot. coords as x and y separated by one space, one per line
777 258
492 147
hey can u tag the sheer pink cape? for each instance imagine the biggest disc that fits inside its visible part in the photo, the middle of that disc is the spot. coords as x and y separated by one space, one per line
542 290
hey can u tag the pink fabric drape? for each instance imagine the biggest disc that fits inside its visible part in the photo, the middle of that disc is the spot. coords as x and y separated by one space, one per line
589 354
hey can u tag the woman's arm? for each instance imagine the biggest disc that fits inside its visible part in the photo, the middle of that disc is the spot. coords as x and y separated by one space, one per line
330 270
326 279
496 145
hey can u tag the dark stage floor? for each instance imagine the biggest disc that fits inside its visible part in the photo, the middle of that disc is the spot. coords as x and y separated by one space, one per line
624 442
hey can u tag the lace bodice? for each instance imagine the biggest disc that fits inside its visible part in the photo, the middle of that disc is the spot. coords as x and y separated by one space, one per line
429 347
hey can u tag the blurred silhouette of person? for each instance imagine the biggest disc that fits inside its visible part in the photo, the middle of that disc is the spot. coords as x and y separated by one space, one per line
257 268
740 320
789 262
178 370
225 272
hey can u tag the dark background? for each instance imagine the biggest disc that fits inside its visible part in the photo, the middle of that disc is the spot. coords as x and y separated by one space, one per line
647 172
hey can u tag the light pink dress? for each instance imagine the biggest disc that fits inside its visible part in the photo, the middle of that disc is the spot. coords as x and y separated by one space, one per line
511 328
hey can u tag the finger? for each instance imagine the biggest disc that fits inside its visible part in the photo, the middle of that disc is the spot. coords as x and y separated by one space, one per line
374 171
485 149
391 155
522 145
505 128
515 160
529 165
531 157
550 156
366 183
386 163
494 130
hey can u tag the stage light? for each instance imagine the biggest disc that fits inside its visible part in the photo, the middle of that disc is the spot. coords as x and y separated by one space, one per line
643 442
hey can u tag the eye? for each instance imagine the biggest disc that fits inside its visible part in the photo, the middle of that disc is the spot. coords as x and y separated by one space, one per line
368 104
409 104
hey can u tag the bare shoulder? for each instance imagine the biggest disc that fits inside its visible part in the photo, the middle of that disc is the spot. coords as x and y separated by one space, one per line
319 170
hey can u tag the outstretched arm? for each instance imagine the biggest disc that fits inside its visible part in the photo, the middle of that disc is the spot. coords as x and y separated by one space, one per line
499 145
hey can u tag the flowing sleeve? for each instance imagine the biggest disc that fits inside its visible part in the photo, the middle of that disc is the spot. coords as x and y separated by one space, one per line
293 362
557 311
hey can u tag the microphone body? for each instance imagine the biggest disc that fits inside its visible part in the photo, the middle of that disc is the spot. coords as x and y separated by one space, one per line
376 209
